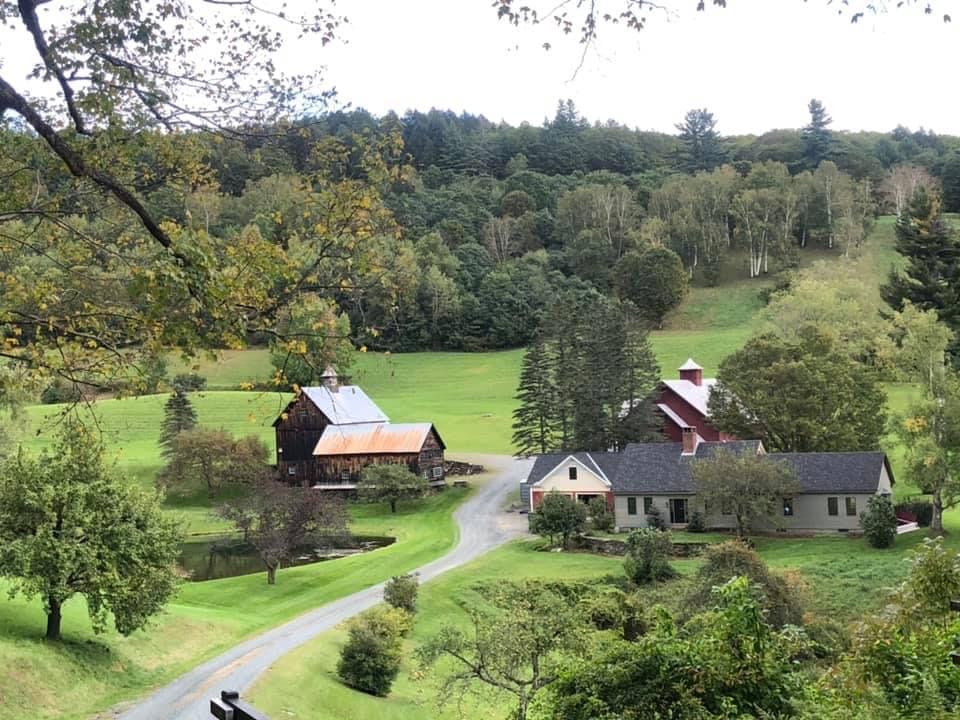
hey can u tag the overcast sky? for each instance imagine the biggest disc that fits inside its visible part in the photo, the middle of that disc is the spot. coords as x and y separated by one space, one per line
755 65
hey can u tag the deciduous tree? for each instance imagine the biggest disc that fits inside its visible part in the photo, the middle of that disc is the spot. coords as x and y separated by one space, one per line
558 516
279 519
748 486
213 459
70 524
391 483
654 281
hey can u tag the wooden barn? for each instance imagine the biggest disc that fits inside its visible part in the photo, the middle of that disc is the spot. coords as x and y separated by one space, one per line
329 433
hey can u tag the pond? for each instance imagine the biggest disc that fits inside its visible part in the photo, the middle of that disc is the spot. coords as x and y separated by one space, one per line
222 557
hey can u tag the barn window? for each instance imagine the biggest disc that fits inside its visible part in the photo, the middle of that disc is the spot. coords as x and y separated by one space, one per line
788 507
344 474
631 506
851 506
438 472
572 472
292 470
833 506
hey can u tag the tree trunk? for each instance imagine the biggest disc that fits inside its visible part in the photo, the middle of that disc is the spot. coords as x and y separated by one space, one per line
393 505
53 620
936 522
271 574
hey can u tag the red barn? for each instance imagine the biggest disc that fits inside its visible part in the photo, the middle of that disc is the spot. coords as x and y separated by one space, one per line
683 404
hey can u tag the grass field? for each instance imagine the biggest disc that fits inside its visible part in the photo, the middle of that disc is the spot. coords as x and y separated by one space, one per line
87 672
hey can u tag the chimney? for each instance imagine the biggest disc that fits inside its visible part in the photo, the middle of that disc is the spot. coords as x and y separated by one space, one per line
690 441
330 380
692 372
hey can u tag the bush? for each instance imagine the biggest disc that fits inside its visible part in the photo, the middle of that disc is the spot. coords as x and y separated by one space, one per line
647 554
733 558
370 659
60 391
600 516
696 524
879 522
188 382
401 592
655 519
558 516
828 638
920 508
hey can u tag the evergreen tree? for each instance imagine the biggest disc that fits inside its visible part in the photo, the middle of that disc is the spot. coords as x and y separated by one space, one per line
950 179
702 146
932 273
178 416
817 136
535 420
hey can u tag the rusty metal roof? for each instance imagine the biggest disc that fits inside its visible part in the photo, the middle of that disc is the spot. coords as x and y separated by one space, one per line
372 439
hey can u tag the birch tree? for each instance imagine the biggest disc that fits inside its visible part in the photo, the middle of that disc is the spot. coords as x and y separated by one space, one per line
900 184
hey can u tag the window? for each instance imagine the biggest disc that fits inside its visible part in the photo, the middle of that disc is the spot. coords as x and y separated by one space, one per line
292 470
438 472
788 507
647 504
344 474
833 506
631 506
851 506
573 472
726 507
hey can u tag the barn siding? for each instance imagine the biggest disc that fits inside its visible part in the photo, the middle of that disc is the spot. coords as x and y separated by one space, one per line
298 431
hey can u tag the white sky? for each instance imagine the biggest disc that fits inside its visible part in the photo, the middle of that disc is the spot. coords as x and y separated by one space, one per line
755 65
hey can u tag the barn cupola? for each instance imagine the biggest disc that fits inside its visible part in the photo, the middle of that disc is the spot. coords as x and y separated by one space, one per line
330 380
692 372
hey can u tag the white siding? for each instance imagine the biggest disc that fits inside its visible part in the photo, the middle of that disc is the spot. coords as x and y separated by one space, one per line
559 479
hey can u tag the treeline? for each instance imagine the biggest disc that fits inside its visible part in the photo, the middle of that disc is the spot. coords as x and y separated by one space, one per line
471 229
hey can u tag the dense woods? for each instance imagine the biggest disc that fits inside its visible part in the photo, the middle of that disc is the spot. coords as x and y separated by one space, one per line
442 231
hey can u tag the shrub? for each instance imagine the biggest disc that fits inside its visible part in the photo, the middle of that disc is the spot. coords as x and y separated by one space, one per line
733 558
879 522
647 553
60 391
401 592
920 508
600 516
370 659
655 519
696 524
188 382
828 638
558 515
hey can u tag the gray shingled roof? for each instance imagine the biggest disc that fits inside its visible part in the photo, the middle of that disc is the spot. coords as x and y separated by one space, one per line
657 468
836 472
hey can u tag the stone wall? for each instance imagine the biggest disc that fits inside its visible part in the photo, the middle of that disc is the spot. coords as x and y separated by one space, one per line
614 546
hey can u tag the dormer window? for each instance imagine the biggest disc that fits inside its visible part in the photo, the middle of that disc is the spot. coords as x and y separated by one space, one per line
573 472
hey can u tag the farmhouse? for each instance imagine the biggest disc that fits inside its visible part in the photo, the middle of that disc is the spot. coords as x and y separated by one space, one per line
683 404
834 487
327 434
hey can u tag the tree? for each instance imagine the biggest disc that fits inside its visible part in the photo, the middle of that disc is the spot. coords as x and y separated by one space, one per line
213 459
748 486
390 483
931 277
930 431
601 516
558 515
370 659
902 182
114 150
950 177
311 336
70 524
401 592
879 522
817 137
648 553
279 519
654 281
516 637
535 419
178 416
798 396
702 147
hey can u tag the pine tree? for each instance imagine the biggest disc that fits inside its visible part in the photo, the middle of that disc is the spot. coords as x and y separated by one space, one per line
817 136
702 147
535 420
931 278
178 416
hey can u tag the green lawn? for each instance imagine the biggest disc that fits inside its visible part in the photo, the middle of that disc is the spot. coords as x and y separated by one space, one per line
87 672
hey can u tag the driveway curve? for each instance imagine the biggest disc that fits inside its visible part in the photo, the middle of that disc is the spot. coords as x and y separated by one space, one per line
483 525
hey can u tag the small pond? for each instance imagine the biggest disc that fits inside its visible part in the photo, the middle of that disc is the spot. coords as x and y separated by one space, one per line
222 557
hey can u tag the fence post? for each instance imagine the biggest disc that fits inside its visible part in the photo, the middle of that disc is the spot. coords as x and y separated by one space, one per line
229 706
